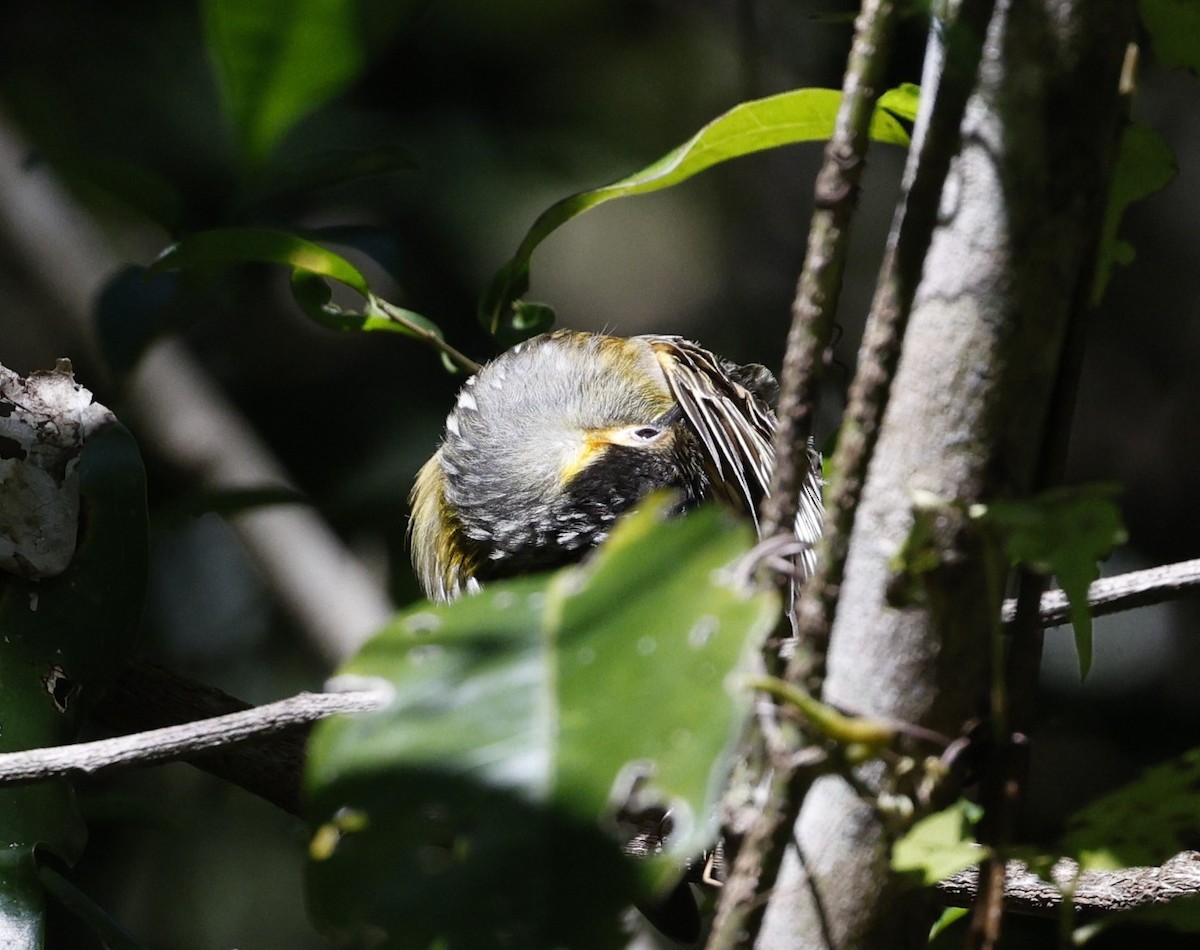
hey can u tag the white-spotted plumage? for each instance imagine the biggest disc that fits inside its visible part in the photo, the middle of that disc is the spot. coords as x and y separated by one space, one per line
555 438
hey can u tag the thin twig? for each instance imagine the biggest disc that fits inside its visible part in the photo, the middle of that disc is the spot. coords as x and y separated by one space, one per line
761 853
1112 595
401 317
820 284
148 696
817 292
174 742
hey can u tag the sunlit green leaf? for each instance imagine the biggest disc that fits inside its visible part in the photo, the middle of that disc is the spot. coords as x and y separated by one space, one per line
943 932
1145 165
902 102
802 115
311 264
939 844
278 59
1143 823
525 719
224 247
1063 532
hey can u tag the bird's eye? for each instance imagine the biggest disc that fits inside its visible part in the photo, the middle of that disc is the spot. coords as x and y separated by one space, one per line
646 433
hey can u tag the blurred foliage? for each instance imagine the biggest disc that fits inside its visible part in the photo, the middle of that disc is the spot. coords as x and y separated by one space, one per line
940 844
1064 532
1142 823
419 140
1145 165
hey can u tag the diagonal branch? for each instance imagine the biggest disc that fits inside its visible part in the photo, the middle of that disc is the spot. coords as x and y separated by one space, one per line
191 739
264 751
1112 595
820 284
179 413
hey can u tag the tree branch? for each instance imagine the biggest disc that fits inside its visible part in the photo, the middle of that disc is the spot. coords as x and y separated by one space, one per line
1112 595
1095 892
965 413
274 778
820 284
265 756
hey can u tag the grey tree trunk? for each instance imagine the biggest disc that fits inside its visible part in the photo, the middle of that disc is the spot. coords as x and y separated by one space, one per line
1010 265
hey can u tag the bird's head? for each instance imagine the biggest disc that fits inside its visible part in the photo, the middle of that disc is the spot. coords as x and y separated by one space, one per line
550 442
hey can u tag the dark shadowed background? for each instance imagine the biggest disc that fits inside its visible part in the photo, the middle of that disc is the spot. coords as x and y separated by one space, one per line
478 115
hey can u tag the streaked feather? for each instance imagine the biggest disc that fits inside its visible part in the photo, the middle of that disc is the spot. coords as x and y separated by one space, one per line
732 423
735 426
496 497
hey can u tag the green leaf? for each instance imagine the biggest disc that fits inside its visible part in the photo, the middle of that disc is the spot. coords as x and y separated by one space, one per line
944 932
1145 165
526 718
277 60
802 115
1174 28
224 247
939 844
310 263
1143 823
1063 532
22 903
902 102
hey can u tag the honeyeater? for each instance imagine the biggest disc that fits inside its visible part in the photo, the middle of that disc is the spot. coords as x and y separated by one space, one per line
548 444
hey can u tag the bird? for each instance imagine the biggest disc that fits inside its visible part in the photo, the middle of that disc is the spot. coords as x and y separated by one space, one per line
550 442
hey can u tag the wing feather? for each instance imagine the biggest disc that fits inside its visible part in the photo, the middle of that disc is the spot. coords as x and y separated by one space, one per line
735 427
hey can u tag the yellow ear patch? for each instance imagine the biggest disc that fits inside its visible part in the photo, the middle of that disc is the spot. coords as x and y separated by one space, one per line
596 441
574 462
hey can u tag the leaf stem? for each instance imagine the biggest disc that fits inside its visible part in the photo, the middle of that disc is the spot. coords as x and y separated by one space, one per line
399 316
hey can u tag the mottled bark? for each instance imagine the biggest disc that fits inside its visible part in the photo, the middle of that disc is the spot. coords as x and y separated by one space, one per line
1005 275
